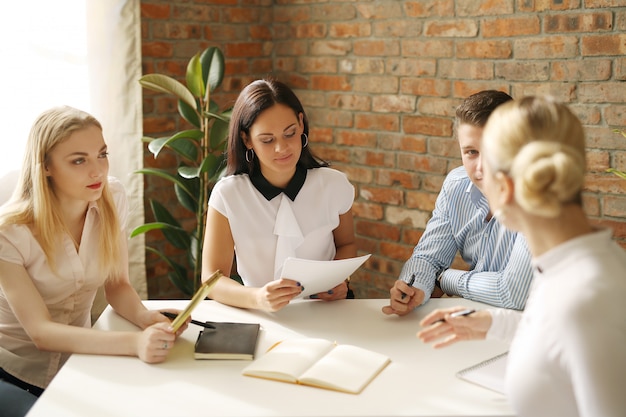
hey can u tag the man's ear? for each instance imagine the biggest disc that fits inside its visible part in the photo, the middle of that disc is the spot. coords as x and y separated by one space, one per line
506 188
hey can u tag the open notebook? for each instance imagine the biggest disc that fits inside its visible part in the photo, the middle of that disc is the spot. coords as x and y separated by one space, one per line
488 374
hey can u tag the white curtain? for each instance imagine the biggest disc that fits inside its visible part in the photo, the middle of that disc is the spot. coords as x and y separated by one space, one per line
114 62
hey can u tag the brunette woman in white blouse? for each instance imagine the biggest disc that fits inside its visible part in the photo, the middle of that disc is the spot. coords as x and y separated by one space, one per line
276 201
567 352
62 236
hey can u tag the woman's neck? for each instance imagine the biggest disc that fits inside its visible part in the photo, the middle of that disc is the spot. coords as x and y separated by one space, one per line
543 234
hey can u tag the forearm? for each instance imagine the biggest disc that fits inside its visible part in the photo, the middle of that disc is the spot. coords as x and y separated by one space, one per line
346 251
126 302
228 291
56 337
500 289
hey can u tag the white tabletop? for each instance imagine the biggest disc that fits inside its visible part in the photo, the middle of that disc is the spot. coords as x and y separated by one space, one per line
419 381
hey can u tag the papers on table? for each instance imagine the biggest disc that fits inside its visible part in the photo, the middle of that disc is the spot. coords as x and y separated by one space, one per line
320 276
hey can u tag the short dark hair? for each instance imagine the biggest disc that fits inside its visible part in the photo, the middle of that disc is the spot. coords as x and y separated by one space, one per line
256 97
476 109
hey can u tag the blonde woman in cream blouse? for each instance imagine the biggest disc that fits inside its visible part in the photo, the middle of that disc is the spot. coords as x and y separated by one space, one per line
567 351
62 236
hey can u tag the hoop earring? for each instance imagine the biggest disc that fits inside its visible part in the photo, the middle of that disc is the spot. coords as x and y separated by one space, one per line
306 140
249 155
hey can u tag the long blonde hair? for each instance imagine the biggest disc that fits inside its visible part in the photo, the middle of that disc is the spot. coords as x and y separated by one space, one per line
540 144
34 203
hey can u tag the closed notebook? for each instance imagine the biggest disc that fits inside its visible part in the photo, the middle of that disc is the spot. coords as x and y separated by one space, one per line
488 374
227 341
319 363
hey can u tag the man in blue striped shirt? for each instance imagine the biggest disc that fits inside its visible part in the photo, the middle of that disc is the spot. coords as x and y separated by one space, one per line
499 262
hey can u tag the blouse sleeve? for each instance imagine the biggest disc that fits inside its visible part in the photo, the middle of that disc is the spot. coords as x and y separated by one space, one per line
342 191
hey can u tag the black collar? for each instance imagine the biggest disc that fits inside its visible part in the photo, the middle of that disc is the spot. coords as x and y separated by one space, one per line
269 191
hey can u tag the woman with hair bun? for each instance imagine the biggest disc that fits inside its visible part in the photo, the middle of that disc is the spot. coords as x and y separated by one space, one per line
567 347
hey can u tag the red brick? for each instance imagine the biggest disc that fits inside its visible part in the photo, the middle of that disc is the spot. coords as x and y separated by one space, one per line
553 46
157 49
311 30
385 10
356 138
394 104
523 71
330 82
570 22
309 65
350 30
245 49
155 11
368 210
377 230
425 87
432 48
350 101
457 28
390 178
482 8
376 48
395 251
435 126
510 27
484 49
420 200
382 122
586 70
378 84
594 45
422 163
472 69
382 195
542 5
429 8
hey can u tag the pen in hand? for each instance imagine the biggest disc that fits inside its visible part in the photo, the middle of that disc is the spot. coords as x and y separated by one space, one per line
410 284
465 312
172 316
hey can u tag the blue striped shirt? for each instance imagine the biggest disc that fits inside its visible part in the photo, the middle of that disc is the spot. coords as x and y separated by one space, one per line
500 270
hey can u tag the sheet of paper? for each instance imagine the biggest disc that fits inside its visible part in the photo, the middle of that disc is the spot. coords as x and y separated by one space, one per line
319 276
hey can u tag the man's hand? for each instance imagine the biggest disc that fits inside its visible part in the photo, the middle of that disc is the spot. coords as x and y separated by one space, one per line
403 299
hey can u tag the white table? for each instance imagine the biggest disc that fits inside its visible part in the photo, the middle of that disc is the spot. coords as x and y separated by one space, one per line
420 381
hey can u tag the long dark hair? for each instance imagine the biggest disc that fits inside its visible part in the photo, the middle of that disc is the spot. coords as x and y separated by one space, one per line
257 96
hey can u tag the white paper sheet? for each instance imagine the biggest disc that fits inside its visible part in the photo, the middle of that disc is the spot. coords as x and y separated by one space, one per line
320 276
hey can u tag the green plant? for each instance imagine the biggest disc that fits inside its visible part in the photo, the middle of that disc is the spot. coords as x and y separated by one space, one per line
200 155
617 172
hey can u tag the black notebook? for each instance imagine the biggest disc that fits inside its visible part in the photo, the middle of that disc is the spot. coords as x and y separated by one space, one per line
227 341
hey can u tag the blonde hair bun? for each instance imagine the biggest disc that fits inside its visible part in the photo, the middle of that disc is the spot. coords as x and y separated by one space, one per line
547 175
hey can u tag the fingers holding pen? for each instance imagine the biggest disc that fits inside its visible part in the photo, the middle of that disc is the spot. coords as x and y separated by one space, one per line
444 327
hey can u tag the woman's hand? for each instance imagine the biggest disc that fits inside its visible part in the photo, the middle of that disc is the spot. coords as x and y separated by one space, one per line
150 317
155 342
340 292
448 330
277 294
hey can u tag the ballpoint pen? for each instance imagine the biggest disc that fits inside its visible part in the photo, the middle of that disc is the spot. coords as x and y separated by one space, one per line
172 316
460 313
410 284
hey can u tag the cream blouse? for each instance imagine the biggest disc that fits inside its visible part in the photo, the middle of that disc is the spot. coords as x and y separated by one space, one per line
69 294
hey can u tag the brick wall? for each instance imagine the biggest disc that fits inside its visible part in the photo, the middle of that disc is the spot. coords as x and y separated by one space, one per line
380 81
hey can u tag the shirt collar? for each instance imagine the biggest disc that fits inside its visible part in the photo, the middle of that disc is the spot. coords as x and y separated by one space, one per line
269 191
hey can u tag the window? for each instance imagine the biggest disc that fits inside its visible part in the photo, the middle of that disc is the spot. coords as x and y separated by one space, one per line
44 55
